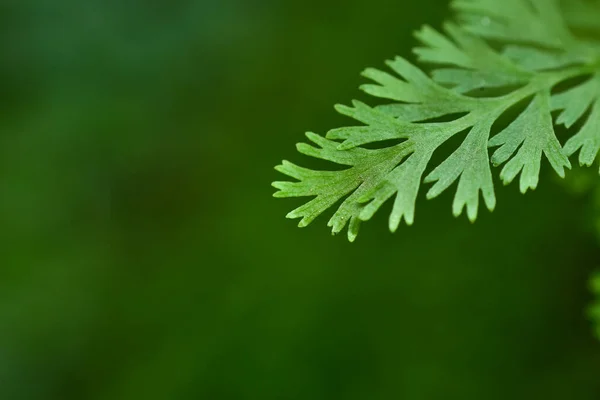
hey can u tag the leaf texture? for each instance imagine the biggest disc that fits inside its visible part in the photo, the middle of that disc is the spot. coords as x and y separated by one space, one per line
497 57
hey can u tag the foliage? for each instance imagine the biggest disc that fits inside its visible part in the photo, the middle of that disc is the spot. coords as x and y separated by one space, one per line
500 71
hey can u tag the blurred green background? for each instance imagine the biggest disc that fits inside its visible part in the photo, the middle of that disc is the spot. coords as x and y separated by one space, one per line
143 257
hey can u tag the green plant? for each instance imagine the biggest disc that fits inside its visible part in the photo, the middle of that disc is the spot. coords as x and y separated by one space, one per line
538 52
500 71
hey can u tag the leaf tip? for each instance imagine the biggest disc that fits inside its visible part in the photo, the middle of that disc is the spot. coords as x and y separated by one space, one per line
342 109
303 223
472 216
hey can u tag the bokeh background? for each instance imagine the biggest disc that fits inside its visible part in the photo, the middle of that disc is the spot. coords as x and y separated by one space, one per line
143 257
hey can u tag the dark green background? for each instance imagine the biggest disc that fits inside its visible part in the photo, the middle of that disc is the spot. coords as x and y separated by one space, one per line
143 257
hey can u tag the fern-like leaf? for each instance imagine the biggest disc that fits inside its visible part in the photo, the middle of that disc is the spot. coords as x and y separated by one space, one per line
521 48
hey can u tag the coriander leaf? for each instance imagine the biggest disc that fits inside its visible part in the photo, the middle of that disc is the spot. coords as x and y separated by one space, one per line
523 49
533 134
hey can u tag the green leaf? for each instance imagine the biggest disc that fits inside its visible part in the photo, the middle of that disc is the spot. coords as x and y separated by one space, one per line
534 50
479 66
575 103
536 22
532 134
367 169
470 165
